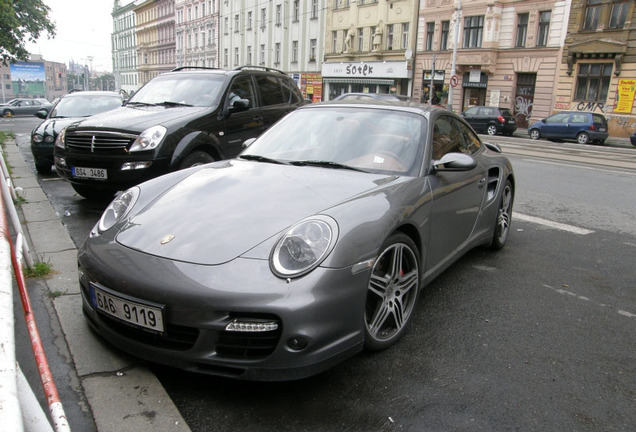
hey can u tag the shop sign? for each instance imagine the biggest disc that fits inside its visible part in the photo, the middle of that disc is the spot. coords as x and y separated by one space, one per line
439 75
482 82
366 70
625 96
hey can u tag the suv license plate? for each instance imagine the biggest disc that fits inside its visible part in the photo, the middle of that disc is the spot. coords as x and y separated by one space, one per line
94 173
138 314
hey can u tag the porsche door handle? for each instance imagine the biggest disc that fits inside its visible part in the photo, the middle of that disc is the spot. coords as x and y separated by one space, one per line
481 182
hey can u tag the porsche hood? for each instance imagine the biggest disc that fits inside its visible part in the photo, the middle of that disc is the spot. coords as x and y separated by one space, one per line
224 210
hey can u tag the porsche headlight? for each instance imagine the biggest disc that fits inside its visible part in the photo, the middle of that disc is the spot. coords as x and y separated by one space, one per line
59 141
304 246
116 210
149 139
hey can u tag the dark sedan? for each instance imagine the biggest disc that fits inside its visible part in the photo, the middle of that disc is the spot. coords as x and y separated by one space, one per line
20 106
70 108
310 246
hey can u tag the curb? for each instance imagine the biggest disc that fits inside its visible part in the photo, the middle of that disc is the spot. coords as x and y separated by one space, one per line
122 393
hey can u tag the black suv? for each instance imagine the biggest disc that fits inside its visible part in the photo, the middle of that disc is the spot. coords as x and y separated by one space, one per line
179 119
490 120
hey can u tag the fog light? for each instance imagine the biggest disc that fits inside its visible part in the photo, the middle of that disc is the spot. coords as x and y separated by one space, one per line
128 166
297 343
60 161
250 325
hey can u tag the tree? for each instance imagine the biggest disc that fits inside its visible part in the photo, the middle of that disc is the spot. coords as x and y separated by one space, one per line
22 21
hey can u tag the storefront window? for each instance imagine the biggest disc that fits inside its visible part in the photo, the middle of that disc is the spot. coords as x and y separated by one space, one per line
592 82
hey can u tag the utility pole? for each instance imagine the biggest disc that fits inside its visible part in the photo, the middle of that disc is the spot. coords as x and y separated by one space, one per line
451 89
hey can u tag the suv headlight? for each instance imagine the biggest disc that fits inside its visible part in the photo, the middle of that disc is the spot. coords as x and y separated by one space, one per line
149 139
59 141
304 246
116 211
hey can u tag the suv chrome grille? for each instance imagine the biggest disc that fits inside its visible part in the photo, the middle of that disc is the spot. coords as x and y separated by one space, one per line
99 142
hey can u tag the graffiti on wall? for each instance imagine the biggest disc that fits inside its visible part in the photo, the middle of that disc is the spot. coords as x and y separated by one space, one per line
523 109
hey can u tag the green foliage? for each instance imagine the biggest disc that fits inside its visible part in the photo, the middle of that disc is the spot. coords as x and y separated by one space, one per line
39 269
22 21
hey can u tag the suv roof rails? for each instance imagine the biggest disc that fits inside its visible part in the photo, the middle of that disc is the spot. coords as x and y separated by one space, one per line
263 68
180 68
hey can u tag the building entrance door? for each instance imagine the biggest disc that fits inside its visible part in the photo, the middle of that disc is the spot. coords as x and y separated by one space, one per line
524 98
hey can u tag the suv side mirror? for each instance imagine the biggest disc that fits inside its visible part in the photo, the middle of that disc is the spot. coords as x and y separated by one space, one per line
42 114
455 162
239 105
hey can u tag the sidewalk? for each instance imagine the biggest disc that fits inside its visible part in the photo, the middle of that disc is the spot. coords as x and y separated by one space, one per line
123 395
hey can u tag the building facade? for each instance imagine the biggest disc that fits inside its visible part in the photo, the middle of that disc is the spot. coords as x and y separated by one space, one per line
155 38
124 46
507 54
35 78
369 46
598 67
197 26
283 34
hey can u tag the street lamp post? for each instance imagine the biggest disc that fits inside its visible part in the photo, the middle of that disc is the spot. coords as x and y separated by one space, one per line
451 89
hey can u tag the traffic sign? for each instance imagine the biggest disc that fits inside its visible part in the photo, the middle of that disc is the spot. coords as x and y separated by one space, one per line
454 81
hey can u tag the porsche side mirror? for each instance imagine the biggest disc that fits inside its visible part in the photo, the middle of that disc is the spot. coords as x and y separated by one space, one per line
455 162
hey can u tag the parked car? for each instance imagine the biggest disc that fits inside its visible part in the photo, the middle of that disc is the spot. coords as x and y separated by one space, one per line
68 109
632 138
309 246
179 119
21 106
584 127
373 96
491 120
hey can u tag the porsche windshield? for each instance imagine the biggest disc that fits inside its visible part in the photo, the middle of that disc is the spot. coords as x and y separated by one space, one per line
368 139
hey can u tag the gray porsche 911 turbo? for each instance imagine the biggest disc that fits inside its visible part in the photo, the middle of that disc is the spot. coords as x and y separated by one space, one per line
307 248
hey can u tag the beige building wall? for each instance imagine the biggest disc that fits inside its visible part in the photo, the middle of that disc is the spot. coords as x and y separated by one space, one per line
602 34
497 70
369 46
155 21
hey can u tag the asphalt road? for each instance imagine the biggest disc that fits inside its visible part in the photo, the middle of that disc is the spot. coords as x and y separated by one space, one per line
540 336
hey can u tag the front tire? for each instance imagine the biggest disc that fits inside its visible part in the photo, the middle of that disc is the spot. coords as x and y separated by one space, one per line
392 292
196 158
7 113
43 168
535 134
492 130
504 217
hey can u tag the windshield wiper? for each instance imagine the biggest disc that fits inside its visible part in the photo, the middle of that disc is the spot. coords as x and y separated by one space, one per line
325 164
259 158
139 103
169 103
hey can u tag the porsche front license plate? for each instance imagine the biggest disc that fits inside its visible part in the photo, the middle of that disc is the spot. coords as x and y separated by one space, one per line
139 314
94 173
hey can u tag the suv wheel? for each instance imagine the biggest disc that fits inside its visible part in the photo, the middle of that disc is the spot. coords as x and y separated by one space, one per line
583 138
196 158
492 129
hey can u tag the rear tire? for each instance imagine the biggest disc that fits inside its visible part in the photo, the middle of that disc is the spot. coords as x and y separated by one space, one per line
492 130
583 138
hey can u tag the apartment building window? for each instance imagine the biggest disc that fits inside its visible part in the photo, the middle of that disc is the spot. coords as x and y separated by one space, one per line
544 28
236 23
236 57
249 20
334 41
389 37
226 57
445 32
263 17
277 53
593 81
313 44
226 25
618 14
296 10
262 55
405 36
430 33
592 12
360 39
473 31
294 52
522 29
314 9
279 14
249 55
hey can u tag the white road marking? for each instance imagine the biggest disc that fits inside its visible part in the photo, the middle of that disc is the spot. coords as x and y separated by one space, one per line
551 224
576 165
583 298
